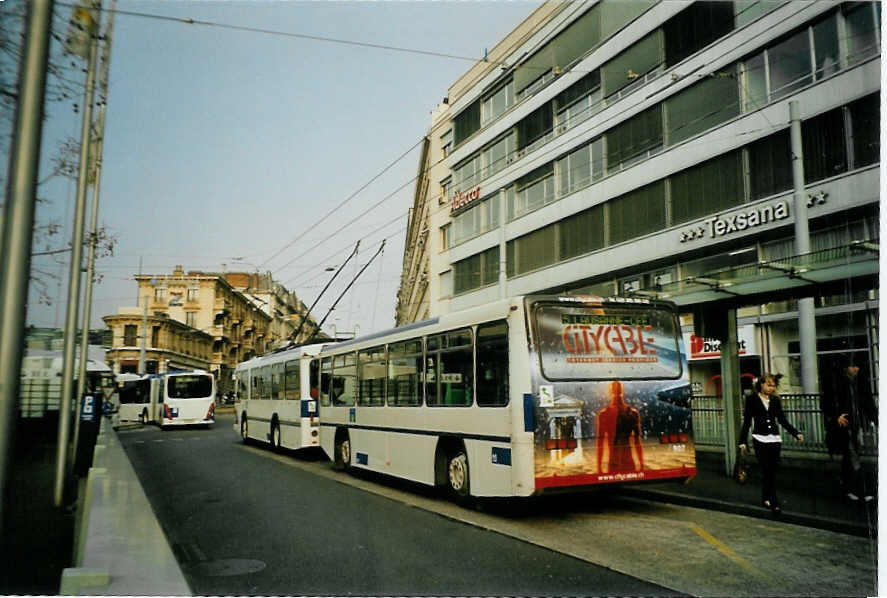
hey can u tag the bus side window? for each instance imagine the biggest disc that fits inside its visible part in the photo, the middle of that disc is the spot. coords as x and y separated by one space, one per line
492 364
314 379
291 386
326 380
455 368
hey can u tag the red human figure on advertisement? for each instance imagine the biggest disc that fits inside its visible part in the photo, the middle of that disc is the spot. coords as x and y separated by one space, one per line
619 425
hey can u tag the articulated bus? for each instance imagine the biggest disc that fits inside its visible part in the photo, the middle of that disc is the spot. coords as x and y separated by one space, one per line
277 398
515 398
171 399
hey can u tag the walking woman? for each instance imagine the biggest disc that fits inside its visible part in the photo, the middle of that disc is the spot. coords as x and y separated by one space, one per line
764 408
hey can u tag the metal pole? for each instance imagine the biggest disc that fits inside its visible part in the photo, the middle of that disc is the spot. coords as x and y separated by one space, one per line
503 247
74 279
144 337
93 224
18 225
806 307
731 394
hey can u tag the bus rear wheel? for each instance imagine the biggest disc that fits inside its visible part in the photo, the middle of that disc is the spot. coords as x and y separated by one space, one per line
457 474
342 458
275 437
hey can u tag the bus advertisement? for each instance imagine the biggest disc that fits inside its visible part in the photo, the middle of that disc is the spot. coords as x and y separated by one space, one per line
612 400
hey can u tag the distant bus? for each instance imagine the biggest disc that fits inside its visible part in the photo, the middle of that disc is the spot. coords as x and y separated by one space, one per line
170 399
134 397
277 398
515 398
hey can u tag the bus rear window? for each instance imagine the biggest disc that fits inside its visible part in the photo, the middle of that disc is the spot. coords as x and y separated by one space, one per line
578 342
190 387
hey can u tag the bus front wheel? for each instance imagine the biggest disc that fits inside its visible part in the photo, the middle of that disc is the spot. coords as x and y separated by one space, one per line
457 474
342 452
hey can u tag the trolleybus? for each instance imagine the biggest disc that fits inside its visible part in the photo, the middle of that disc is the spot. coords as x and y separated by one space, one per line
515 398
276 398
180 398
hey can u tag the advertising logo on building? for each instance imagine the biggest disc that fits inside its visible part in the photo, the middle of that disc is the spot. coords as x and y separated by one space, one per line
463 198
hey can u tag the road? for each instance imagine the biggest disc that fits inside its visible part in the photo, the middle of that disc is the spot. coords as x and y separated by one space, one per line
243 520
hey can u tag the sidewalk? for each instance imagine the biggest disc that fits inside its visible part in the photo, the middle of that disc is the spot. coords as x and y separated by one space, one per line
809 491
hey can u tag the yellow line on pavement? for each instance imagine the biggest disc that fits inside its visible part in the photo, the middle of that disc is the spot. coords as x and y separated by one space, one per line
726 551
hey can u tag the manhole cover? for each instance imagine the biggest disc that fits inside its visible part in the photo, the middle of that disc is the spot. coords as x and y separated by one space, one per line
226 567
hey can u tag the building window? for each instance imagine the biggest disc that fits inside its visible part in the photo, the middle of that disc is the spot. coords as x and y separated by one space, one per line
865 119
770 166
467 174
497 103
578 102
704 105
634 139
446 143
632 65
446 283
696 27
707 188
576 169
155 336
581 233
191 319
446 235
476 271
825 147
159 293
637 213
498 155
466 123
532 251
444 191
130 335
863 24
531 191
192 294
536 127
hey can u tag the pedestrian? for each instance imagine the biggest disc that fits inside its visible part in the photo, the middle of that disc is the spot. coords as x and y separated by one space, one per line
846 412
764 408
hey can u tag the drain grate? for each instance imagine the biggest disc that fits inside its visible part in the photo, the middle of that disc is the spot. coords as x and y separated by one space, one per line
226 567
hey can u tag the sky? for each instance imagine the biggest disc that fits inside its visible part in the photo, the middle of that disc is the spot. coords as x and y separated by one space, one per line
226 147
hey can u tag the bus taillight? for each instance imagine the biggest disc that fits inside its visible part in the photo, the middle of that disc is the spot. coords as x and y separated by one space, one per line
166 413
211 412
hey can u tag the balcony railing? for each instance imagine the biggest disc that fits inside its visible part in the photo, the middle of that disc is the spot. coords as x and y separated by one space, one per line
801 410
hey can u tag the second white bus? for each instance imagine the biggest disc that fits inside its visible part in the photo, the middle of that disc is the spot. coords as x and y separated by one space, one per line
277 398
172 399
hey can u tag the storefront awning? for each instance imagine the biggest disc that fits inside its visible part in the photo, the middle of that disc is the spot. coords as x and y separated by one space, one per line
764 281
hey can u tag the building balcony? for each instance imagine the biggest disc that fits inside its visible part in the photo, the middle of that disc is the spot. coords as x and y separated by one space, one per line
222 305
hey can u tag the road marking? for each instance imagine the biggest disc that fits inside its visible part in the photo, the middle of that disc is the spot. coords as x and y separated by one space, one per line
727 552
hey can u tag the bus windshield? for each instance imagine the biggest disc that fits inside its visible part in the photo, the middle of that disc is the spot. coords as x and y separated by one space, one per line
610 342
190 387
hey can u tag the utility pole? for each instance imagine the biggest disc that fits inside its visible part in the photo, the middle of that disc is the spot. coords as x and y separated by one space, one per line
806 307
88 23
99 137
18 224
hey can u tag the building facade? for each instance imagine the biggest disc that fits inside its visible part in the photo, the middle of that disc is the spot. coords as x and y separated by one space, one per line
645 148
169 344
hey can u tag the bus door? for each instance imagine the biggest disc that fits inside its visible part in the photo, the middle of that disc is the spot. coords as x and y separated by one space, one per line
310 404
603 374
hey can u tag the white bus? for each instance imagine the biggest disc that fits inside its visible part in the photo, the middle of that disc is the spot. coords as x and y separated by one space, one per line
515 398
134 397
277 398
172 399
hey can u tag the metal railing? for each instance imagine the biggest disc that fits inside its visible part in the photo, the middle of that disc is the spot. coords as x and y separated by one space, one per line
801 410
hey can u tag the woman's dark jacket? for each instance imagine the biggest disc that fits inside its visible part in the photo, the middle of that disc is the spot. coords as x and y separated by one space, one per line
764 419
